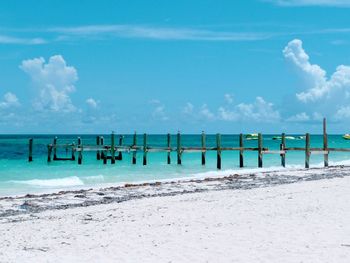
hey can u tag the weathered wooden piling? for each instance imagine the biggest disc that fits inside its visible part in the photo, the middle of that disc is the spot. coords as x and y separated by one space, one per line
203 147
325 143
55 148
144 149
134 144
103 154
120 155
241 160
218 151
30 150
307 150
49 150
73 151
260 149
282 147
98 152
112 148
169 148
80 154
179 148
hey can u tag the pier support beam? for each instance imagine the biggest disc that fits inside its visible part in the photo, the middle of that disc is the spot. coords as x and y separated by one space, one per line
30 152
49 151
55 148
218 151
144 149
112 148
325 142
282 147
203 148
98 153
307 150
241 160
120 155
169 148
134 143
260 148
178 148
80 154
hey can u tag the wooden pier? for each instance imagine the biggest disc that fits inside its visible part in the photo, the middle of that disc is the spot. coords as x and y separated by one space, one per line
115 152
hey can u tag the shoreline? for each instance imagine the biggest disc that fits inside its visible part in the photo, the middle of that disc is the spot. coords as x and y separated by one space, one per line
34 203
225 221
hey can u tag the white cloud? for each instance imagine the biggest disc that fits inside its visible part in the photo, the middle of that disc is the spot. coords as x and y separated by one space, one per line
228 98
334 3
92 103
342 113
227 115
188 108
21 41
158 112
10 100
206 113
54 81
259 111
319 85
159 33
300 117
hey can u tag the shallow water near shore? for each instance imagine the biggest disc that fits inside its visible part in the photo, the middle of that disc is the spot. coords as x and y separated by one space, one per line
17 176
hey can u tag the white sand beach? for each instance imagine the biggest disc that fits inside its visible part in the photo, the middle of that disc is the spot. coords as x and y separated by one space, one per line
306 221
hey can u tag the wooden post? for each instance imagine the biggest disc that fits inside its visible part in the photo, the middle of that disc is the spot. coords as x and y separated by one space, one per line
80 155
135 150
169 148
218 151
73 151
112 148
144 149
30 153
325 142
120 155
260 155
49 150
307 150
241 161
98 153
55 148
178 148
282 147
203 148
103 154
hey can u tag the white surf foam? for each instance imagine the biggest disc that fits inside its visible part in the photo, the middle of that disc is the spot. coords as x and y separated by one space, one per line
61 182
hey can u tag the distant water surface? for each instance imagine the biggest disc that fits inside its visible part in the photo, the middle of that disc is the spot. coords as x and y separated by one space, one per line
17 176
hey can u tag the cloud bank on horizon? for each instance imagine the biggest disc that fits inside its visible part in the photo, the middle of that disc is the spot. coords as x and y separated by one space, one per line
335 3
54 81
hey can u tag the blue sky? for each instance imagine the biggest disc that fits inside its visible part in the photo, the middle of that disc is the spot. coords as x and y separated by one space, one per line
161 66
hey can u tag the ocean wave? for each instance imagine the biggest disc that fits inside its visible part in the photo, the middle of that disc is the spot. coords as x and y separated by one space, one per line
61 182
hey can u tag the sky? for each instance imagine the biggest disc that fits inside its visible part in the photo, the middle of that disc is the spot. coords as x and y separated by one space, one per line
162 66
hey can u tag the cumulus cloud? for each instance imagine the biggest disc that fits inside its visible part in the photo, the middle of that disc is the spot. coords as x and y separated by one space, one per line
188 108
257 111
9 100
158 112
54 81
336 3
300 117
206 113
318 85
92 103
228 98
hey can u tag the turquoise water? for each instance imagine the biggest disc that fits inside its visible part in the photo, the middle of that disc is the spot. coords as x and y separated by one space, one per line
18 176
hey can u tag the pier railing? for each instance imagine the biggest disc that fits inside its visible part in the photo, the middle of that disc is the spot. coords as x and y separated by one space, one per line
115 152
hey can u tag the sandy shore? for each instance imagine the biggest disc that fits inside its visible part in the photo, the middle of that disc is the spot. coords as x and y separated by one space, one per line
301 220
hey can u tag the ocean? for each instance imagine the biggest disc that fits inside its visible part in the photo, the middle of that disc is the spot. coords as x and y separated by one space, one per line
18 176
